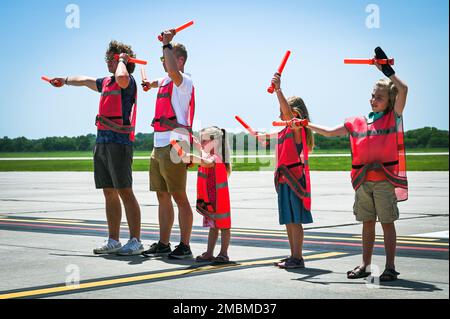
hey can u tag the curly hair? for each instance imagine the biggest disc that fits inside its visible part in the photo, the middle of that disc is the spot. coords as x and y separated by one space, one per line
116 47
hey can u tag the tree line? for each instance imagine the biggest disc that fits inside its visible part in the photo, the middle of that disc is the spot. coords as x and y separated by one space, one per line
427 137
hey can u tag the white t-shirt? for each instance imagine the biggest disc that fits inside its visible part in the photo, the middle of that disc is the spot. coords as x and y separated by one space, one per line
181 98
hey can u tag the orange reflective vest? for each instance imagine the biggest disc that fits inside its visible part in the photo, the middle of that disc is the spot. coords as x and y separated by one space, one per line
165 118
110 115
291 166
379 146
219 210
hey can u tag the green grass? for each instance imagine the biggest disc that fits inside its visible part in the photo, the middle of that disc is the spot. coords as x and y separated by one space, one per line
147 153
414 163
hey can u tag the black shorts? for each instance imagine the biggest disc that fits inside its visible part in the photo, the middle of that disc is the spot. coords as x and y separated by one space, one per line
113 165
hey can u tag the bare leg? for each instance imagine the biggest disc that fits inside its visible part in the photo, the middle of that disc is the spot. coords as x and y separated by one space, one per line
132 211
368 240
113 212
166 216
290 237
297 239
225 241
185 217
212 240
390 244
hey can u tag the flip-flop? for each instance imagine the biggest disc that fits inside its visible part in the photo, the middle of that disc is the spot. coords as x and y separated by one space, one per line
202 258
358 272
389 275
221 259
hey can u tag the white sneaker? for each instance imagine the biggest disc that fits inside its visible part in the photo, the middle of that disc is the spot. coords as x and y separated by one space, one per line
110 246
133 247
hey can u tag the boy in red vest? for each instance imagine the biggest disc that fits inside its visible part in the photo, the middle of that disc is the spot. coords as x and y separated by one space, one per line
174 115
378 166
113 153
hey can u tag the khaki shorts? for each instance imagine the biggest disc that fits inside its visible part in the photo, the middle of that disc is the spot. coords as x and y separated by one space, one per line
165 175
376 199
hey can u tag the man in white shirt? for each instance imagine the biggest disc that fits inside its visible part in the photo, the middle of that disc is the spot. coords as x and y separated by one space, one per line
174 109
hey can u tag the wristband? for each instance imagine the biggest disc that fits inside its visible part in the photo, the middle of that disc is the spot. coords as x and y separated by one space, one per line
168 46
66 81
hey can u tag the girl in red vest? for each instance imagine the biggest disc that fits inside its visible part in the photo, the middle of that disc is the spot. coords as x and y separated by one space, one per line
292 174
378 166
213 197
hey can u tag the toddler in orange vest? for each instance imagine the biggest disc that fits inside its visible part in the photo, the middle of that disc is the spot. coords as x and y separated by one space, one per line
213 198
378 166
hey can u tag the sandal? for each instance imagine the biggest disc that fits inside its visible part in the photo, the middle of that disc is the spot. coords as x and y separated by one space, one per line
202 258
389 275
221 259
358 272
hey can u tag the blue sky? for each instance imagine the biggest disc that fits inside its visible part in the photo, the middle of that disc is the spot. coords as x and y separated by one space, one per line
234 49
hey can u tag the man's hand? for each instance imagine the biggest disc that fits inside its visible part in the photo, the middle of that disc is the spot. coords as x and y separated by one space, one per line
123 57
298 123
167 36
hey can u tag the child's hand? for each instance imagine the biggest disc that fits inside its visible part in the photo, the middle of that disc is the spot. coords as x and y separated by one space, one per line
385 68
57 82
297 123
276 81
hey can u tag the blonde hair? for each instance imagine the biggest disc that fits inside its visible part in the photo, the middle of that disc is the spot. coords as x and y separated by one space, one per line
218 134
389 86
298 106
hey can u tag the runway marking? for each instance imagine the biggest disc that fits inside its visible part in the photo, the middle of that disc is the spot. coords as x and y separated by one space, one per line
102 227
437 235
128 279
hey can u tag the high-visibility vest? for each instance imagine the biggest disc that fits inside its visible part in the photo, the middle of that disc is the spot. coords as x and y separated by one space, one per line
110 115
165 117
291 166
379 146
219 211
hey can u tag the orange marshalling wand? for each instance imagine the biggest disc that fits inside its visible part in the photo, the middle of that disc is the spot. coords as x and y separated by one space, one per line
144 79
280 69
369 61
288 123
180 28
131 60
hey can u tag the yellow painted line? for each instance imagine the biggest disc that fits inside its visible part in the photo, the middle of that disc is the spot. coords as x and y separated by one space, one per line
405 238
61 220
356 238
131 279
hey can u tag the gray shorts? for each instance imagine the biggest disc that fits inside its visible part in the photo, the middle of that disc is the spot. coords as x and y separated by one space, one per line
113 165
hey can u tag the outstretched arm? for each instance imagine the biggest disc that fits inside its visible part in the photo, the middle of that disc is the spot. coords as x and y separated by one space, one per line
328 132
79 80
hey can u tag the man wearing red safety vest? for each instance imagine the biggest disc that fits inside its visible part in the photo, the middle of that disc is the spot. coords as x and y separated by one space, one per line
113 154
174 114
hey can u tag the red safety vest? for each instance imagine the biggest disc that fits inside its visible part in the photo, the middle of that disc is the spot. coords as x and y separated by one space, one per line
291 166
219 211
110 110
379 147
165 118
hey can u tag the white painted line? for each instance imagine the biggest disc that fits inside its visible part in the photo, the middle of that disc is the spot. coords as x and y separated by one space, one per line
233 156
438 234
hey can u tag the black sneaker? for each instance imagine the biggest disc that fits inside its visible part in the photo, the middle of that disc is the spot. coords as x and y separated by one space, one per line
181 251
158 249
